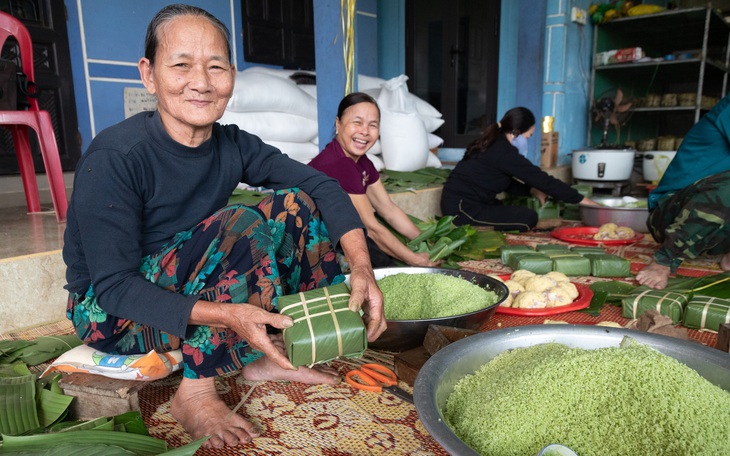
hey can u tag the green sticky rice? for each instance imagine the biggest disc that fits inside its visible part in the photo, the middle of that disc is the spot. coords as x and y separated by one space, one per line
628 400
422 296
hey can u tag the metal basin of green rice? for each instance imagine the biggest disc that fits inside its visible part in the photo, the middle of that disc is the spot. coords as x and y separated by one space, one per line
439 375
405 334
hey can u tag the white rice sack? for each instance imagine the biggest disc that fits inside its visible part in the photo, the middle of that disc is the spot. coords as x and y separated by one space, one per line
257 91
366 83
309 89
300 151
424 108
377 148
404 140
394 96
434 141
377 162
431 123
274 126
433 161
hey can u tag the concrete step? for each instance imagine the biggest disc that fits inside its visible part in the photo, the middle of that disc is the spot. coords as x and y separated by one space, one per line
33 290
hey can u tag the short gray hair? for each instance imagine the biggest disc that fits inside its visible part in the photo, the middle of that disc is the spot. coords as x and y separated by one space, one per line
171 12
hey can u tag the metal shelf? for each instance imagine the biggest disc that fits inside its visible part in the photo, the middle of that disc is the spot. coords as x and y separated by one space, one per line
700 31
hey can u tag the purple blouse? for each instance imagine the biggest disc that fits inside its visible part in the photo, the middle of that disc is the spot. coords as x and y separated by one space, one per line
354 177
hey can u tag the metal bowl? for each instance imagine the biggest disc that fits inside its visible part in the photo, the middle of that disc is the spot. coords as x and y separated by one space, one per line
611 210
436 379
405 334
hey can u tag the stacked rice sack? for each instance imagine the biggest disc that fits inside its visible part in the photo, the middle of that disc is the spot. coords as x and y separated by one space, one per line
271 105
407 124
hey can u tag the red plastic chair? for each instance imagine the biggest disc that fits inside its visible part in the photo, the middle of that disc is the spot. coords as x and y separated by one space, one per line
40 121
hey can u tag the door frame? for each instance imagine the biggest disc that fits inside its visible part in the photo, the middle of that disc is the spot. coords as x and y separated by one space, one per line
449 95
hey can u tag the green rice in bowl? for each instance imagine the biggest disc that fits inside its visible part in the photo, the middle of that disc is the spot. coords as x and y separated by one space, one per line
606 413
404 334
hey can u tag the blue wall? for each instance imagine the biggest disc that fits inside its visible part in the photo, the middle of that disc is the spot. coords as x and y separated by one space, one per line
567 57
544 60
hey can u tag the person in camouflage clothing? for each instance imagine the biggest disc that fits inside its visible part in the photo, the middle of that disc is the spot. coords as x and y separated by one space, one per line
690 207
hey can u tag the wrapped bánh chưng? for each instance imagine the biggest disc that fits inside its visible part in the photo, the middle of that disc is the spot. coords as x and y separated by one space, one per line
508 250
585 250
706 312
552 248
533 262
607 265
324 327
571 264
669 303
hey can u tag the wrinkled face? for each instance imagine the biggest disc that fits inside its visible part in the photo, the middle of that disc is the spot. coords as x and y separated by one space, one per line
358 129
192 77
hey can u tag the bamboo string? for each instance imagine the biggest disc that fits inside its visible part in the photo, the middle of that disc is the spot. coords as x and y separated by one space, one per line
243 400
347 17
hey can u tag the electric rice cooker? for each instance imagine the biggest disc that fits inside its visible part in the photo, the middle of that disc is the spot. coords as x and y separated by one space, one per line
654 163
603 164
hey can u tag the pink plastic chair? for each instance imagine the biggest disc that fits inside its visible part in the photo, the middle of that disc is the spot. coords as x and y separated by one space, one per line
40 121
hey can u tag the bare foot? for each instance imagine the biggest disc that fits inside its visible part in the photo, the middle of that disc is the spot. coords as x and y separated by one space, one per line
725 262
654 275
265 369
199 409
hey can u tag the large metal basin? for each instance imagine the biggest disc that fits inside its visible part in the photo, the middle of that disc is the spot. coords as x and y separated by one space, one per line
611 210
437 377
405 334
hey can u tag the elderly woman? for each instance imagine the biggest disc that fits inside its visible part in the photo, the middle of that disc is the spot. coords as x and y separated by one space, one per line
357 127
155 259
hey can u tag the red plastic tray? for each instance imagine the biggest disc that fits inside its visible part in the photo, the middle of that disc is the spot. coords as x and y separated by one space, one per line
584 235
585 294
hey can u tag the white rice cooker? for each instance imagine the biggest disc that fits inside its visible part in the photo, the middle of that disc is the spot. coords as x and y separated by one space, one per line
655 163
603 164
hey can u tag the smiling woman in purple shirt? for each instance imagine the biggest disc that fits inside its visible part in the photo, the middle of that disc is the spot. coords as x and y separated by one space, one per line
357 127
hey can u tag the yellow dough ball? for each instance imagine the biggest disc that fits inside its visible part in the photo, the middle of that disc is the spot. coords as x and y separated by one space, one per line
558 296
558 277
521 275
539 283
570 289
530 300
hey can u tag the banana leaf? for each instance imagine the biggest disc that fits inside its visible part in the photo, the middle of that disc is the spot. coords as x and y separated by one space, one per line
396 181
44 348
717 285
9 347
482 244
18 412
52 407
135 443
95 449
611 292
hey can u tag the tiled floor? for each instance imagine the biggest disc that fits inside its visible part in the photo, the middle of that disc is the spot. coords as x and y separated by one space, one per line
23 234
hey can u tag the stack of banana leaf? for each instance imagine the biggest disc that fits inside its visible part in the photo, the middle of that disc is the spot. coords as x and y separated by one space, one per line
451 244
400 181
34 411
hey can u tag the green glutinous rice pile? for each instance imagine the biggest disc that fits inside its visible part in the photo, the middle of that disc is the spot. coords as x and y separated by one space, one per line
628 400
421 296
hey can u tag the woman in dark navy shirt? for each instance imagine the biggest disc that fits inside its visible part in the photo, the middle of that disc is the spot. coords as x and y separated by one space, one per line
492 165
